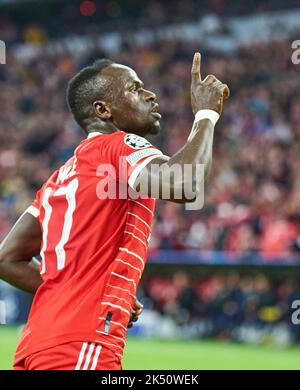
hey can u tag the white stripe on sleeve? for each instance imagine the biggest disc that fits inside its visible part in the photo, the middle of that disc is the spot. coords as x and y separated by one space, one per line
137 170
33 211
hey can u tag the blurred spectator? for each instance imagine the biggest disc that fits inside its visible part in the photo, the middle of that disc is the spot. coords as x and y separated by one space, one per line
244 308
252 198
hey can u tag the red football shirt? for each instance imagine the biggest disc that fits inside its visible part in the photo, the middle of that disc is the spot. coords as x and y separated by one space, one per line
93 249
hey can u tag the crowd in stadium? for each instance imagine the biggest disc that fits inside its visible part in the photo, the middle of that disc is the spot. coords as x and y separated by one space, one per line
41 20
256 308
252 198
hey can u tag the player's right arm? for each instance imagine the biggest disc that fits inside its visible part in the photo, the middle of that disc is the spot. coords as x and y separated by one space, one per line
17 265
208 94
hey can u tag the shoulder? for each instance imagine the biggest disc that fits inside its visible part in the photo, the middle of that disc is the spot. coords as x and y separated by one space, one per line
135 141
126 140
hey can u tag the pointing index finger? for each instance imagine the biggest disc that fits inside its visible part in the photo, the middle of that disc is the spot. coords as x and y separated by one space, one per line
196 67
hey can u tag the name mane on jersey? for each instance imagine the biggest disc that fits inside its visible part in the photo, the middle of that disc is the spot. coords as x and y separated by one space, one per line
66 171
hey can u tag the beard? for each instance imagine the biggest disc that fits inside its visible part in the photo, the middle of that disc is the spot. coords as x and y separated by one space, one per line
155 128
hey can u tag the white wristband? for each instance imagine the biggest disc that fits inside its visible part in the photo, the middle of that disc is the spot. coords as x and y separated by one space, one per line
212 115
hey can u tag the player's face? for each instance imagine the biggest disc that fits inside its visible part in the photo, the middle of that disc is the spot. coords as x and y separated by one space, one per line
134 109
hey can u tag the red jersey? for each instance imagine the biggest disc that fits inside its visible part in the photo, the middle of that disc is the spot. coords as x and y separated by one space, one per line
93 249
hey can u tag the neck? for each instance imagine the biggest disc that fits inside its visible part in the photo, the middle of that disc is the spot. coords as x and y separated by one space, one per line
97 125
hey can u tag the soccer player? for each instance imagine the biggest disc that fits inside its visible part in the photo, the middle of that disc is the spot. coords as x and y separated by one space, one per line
93 249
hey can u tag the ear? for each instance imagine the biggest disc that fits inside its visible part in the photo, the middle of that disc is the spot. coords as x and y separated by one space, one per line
102 110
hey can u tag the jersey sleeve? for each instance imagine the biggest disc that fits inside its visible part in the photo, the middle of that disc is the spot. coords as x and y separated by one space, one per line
130 153
34 208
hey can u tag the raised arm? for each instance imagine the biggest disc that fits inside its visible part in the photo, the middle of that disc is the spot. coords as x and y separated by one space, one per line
17 265
208 95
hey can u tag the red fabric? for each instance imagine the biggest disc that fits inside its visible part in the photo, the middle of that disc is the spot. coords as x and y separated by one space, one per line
72 356
277 237
93 251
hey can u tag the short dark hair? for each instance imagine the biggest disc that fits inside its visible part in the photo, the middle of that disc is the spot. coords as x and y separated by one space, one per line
84 88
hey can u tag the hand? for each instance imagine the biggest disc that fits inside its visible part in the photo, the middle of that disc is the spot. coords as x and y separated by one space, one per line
136 312
209 93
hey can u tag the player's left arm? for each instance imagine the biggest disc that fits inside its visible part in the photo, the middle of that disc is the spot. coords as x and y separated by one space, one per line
136 312
17 265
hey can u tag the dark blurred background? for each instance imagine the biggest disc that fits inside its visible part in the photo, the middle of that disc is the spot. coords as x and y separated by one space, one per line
230 270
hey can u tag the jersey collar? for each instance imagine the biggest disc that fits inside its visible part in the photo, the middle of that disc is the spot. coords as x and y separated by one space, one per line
93 134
